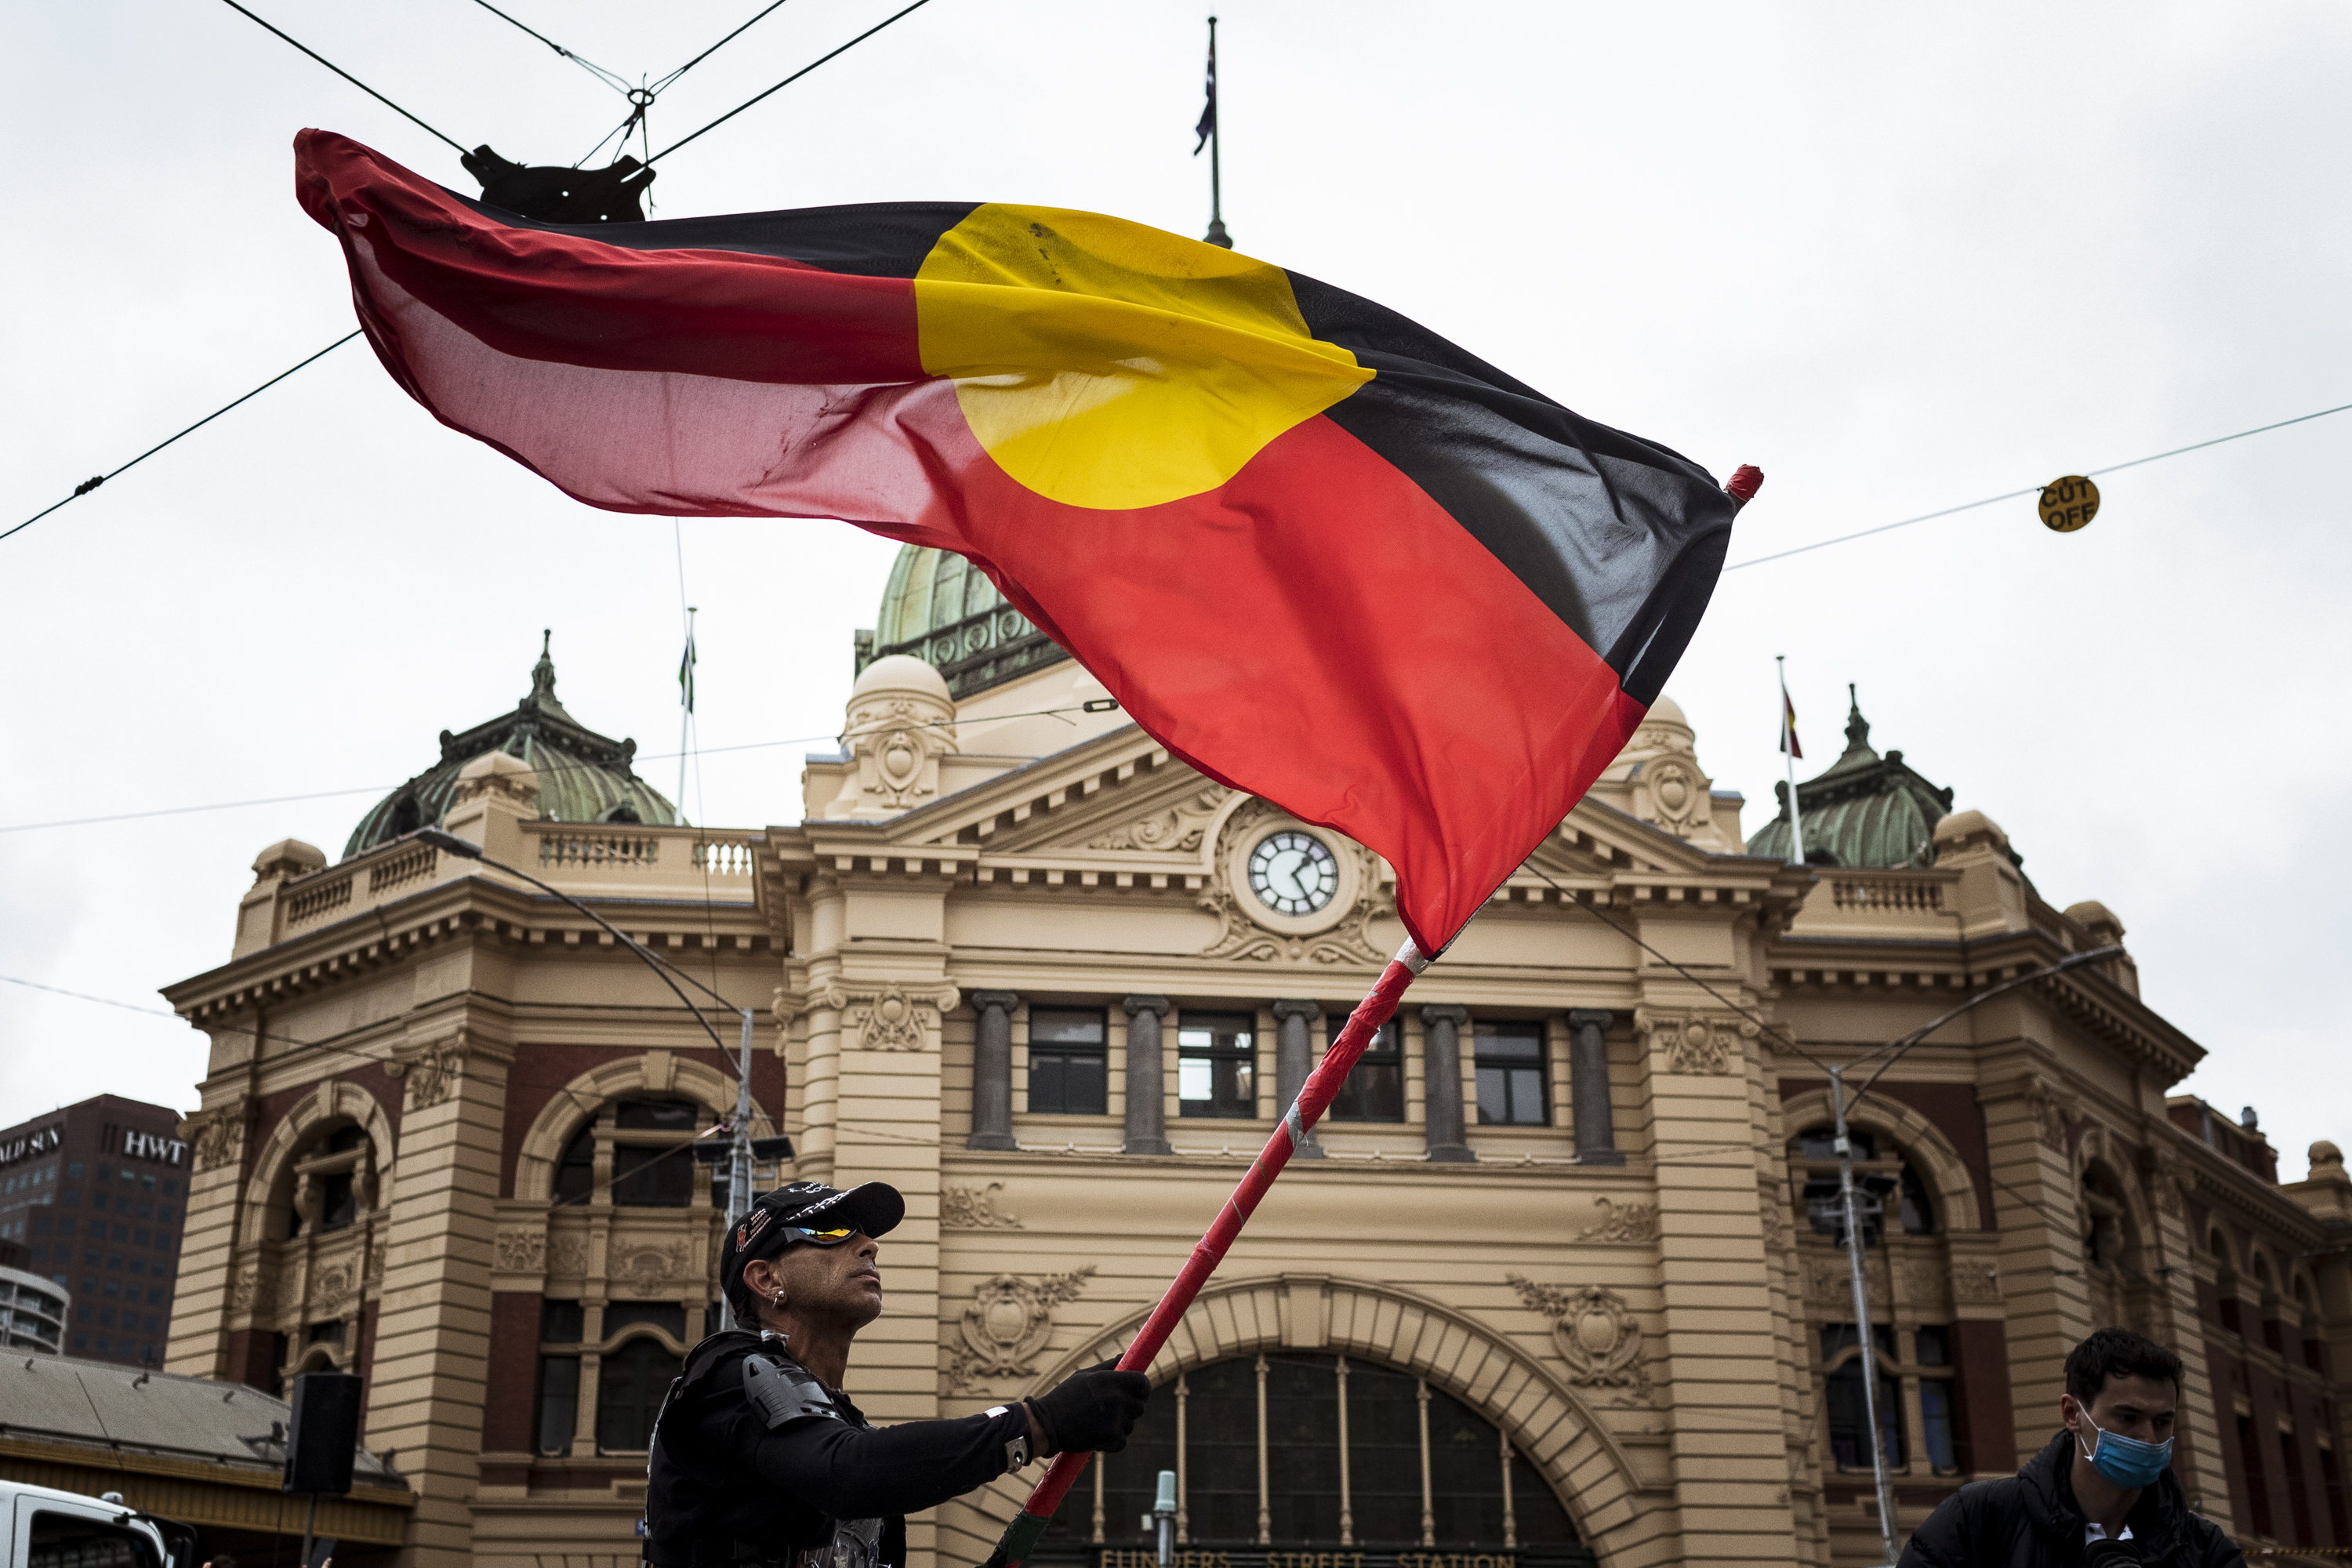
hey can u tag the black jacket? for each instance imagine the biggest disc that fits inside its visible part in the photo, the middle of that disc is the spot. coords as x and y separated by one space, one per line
2030 1520
727 1486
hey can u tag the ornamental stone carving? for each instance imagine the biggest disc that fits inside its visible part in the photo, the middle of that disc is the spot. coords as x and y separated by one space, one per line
501 776
522 1251
975 1208
1622 1221
901 722
1694 1043
432 1069
328 1291
1975 1284
2052 1110
254 1290
1008 1323
647 1269
217 1138
1772 1207
2161 1167
568 1258
1180 826
1595 1332
891 1017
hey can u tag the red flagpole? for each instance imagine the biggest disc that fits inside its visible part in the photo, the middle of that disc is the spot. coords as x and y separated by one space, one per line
1315 1097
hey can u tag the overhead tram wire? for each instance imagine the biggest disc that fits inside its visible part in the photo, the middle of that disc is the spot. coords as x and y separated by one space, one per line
551 768
2034 490
340 71
88 485
637 113
613 80
788 81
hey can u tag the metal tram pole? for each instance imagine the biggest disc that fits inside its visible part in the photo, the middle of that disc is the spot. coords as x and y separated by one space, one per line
1843 1145
1885 1485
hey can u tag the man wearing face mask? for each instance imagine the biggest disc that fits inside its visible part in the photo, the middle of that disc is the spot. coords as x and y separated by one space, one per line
2101 1494
759 1461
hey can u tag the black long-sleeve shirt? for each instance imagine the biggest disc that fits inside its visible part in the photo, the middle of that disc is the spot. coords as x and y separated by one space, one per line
721 1473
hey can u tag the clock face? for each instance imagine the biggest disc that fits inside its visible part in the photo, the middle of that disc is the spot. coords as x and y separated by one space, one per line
1293 874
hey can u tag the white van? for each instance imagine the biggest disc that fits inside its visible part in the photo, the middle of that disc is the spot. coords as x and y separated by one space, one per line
49 1529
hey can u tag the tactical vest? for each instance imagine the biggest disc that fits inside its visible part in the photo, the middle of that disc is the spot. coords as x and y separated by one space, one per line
705 1510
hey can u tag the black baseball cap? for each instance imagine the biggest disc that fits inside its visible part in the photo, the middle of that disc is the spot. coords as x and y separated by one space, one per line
871 1208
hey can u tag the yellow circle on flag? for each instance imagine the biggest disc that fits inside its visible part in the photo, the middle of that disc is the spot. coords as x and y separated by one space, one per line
1105 365
2068 503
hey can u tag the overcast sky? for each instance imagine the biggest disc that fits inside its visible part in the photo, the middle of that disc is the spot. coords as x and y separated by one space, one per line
1899 257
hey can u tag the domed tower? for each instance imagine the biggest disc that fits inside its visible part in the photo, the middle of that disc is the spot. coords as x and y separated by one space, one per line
943 610
582 776
1864 810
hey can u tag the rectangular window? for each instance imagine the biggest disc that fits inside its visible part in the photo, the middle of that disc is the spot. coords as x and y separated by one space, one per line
1216 1065
1070 1062
651 1178
1510 1059
1842 1395
1374 1090
560 1322
559 1402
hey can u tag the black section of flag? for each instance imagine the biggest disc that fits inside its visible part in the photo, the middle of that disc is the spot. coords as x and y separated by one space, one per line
1620 538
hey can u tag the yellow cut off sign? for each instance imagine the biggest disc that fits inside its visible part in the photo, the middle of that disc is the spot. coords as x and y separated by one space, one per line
2068 503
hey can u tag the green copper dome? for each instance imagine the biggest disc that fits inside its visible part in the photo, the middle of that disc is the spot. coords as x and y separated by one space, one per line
943 610
582 776
1866 810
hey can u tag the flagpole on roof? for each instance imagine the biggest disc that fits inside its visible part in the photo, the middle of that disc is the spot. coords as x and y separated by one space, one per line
686 706
1789 752
1207 130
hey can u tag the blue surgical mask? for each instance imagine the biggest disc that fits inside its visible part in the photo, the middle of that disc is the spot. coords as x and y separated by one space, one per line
2127 1461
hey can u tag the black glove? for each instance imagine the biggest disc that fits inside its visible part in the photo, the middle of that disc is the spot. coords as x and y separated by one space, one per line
1092 1411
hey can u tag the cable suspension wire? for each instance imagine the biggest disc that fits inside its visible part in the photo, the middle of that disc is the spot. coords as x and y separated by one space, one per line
2034 490
88 485
551 768
340 71
714 48
610 78
788 81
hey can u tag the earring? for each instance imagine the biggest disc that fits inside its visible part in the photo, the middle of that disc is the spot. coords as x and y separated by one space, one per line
780 1296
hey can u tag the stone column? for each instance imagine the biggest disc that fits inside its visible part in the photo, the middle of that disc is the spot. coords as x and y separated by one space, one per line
1441 1082
1294 1059
1147 1113
992 1072
1588 1088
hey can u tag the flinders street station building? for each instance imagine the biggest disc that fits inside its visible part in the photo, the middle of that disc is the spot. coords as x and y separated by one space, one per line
1561 1283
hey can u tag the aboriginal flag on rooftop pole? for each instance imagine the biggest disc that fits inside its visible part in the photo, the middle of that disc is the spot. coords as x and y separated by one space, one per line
1320 552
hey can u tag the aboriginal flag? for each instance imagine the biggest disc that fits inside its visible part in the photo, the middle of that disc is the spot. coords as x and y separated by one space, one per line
1319 553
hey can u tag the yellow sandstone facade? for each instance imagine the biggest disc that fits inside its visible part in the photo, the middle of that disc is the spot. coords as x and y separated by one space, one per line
1556 1292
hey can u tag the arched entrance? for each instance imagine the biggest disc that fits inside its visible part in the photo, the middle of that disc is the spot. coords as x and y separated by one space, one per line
1294 1459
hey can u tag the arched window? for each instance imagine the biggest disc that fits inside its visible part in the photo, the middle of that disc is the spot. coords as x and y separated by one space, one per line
331 1179
1879 1183
1263 1462
407 817
653 1164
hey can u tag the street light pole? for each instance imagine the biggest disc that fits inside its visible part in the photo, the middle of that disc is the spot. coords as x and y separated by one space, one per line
1885 1484
739 1186
1843 1145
